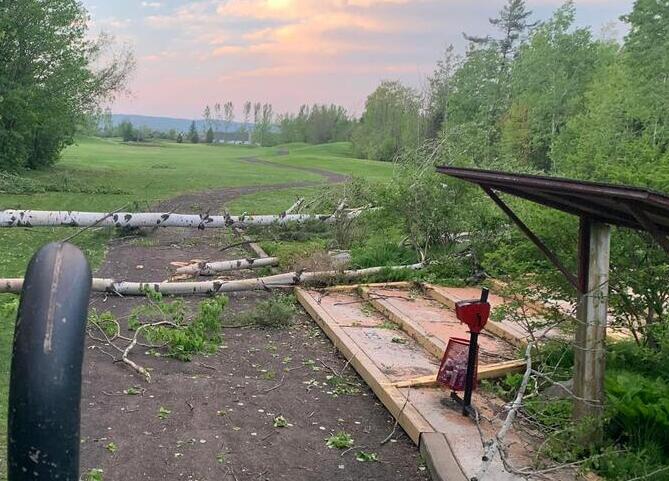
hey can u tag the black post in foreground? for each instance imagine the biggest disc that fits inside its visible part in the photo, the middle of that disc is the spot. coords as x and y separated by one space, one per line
45 382
471 360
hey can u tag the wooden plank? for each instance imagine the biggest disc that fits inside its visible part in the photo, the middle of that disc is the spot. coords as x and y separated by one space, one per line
408 417
495 328
354 287
440 459
485 371
427 341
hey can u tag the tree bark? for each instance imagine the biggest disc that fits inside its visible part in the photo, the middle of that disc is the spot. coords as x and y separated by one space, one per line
287 279
213 268
42 218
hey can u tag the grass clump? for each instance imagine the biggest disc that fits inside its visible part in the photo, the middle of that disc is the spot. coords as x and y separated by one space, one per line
276 312
341 440
342 386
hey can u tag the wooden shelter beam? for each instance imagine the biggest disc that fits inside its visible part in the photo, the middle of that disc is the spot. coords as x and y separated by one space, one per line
550 255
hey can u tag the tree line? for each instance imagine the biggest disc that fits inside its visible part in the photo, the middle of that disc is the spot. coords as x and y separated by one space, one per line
52 74
543 97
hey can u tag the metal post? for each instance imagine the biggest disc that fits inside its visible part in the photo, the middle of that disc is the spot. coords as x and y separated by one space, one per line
589 346
471 362
45 380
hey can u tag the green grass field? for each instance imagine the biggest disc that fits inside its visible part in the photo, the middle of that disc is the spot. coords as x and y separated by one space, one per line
112 174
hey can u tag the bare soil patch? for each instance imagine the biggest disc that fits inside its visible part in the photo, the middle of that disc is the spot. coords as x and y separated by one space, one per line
222 407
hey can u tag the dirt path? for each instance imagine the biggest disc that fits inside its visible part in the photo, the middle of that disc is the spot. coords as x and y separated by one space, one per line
256 375
331 177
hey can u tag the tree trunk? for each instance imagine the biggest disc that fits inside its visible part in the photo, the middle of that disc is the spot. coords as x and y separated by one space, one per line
41 218
212 268
214 287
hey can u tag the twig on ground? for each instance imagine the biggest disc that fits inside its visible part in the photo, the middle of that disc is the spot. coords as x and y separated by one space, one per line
277 386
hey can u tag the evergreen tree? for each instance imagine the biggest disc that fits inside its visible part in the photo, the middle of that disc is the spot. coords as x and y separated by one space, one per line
127 131
193 135
210 136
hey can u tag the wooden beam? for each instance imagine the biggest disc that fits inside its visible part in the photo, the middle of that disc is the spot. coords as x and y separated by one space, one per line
532 236
589 348
485 371
649 225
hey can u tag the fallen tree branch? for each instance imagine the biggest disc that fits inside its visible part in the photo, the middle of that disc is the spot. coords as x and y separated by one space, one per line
287 279
213 268
296 205
42 218
497 443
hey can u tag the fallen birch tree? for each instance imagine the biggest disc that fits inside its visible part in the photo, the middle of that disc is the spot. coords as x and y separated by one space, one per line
47 218
287 279
205 268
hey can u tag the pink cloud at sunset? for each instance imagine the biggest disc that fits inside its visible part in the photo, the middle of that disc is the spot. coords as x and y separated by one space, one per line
290 52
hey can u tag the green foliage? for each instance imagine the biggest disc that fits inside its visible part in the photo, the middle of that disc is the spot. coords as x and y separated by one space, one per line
341 440
638 410
49 79
365 457
390 123
94 474
276 312
201 335
209 136
280 422
111 447
318 124
163 413
181 339
342 385
193 134
105 321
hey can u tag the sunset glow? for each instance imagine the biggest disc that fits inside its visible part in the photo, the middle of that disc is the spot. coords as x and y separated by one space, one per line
191 53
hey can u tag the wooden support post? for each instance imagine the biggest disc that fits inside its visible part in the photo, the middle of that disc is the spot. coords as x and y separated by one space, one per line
589 348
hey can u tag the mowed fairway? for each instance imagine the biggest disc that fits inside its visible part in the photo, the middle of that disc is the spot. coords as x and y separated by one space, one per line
112 175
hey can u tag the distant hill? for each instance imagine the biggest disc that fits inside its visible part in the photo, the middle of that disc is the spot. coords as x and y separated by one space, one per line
164 124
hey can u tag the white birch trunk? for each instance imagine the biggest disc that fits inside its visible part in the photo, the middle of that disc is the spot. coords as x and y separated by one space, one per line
213 268
42 218
213 287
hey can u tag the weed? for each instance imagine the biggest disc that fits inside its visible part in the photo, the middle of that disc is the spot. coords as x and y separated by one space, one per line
111 447
94 474
133 391
163 413
269 375
365 457
388 324
341 440
220 458
145 242
278 311
398 340
280 422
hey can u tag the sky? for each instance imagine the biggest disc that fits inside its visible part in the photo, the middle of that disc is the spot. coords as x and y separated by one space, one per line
291 52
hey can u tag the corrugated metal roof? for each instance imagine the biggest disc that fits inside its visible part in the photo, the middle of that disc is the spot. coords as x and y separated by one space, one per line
633 207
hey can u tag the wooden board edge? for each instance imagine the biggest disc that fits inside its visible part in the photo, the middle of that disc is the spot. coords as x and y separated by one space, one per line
354 287
395 401
440 459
